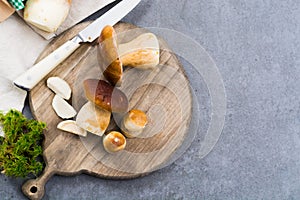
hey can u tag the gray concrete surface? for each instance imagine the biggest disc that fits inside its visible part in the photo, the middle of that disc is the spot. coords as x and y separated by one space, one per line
256 45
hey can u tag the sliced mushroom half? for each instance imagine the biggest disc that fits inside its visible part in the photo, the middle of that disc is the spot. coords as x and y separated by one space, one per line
93 119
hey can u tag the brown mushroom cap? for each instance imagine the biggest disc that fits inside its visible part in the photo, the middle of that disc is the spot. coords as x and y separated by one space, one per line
105 96
108 56
114 142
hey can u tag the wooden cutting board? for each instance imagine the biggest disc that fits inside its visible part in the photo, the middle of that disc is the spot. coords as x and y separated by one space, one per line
164 94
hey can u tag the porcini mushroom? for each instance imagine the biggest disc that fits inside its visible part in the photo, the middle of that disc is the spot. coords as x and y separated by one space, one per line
109 58
62 108
59 87
114 142
105 96
93 119
71 127
134 123
142 52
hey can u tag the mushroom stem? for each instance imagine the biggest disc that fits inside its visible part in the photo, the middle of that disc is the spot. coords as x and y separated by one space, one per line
142 52
134 123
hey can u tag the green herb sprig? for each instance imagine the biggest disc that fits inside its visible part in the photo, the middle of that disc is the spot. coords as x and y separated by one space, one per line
20 147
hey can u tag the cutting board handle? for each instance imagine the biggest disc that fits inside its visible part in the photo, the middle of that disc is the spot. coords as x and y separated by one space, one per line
35 189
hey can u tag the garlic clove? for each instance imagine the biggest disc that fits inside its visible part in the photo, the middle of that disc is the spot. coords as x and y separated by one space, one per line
62 108
93 119
71 127
59 87
114 142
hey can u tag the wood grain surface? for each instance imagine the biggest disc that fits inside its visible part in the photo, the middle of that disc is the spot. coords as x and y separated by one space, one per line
164 94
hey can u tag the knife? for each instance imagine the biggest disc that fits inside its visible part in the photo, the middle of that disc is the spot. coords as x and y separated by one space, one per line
38 71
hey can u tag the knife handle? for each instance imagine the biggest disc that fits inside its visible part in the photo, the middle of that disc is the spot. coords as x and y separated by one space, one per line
38 71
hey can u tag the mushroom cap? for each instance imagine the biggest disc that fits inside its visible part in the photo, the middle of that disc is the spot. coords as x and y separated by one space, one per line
114 142
108 56
105 96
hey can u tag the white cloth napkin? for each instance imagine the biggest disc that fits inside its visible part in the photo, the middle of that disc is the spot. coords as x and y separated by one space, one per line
20 46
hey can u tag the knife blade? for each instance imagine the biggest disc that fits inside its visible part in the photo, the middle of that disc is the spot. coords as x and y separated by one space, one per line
38 71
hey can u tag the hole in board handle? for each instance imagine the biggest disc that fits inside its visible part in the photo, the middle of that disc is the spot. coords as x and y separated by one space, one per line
33 189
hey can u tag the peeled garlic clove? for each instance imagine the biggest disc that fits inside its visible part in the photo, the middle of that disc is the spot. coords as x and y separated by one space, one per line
93 119
71 127
62 108
134 123
59 87
114 142
46 15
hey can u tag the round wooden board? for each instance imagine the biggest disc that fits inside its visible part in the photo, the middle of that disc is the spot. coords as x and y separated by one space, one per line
164 94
